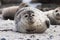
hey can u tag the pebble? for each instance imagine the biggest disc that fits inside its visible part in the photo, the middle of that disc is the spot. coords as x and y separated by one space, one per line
3 39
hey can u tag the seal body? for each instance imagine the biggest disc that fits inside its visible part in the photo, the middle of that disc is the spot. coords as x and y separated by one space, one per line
31 20
9 12
54 16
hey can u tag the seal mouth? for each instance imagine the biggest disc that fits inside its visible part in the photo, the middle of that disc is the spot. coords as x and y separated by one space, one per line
58 18
30 30
31 22
58 14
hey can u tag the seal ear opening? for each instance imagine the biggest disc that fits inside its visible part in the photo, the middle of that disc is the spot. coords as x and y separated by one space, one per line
47 23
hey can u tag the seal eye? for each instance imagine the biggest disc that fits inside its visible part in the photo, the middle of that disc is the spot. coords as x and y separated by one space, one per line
26 15
56 11
33 15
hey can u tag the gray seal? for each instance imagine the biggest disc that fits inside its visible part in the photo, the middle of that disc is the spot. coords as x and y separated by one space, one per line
31 20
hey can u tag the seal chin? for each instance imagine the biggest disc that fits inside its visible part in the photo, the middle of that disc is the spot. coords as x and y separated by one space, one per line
31 22
58 18
29 30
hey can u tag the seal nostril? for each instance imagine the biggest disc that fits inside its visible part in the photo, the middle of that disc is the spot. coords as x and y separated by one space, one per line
57 14
30 18
26 15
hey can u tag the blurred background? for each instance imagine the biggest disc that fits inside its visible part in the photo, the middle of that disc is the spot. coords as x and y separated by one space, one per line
43 5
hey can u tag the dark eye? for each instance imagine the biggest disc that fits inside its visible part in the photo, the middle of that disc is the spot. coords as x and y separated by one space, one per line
26 15
33 15
56 11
